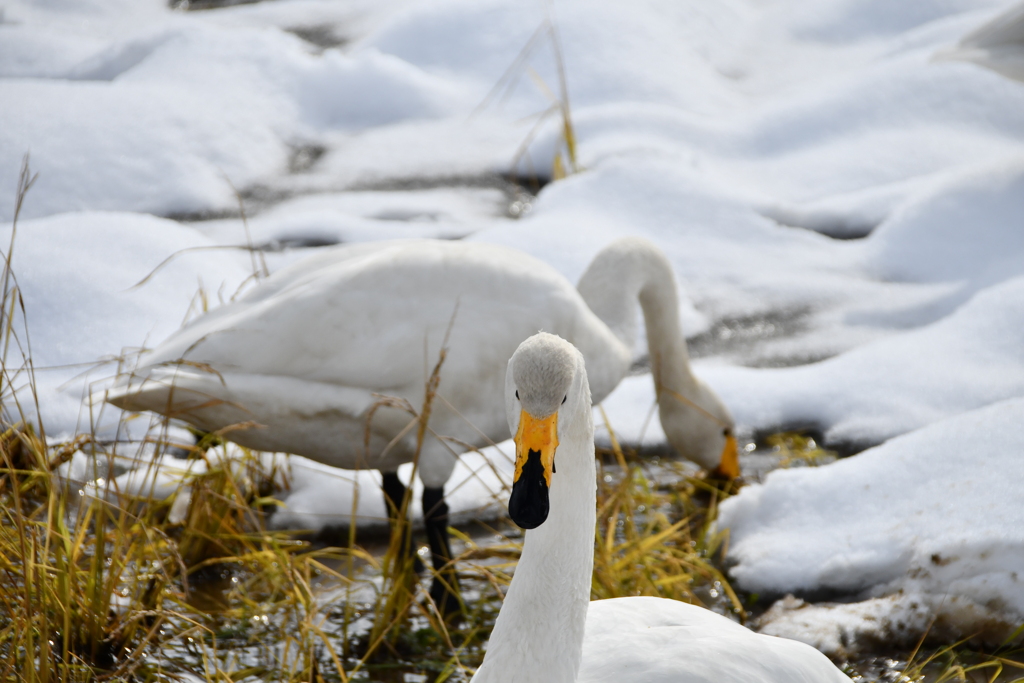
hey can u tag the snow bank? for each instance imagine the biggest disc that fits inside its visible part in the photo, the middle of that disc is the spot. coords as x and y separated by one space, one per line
966 228
166 120
934 514
613 52
365 216
76 273
845 630
969 359
963 348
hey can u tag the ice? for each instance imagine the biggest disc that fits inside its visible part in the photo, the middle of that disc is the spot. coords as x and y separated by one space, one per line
934 513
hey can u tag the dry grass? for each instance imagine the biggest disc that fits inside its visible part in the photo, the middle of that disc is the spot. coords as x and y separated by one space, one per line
966 665
565 160
653 538
796 449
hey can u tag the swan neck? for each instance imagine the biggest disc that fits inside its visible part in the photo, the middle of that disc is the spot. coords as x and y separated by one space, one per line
670 360
634 272
538 635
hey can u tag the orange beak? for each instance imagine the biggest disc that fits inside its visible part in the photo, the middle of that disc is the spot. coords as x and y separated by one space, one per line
729 463
536 441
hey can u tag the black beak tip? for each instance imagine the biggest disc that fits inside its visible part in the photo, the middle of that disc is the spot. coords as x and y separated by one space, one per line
527 511
529 520
528 506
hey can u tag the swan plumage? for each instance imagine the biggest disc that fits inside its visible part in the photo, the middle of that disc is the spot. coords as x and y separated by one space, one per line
655 640
299 362
998 44
547 629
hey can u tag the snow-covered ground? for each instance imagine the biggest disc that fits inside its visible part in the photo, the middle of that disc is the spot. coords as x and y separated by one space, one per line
841 208
929 524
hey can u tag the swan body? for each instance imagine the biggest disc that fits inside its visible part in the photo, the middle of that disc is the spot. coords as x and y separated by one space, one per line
655 640
299 363
547 629
997 44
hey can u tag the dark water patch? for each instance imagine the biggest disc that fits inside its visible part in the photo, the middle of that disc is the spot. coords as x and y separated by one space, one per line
256 198
304 157
519 191
930 664
787 360
490 180
839 226
199 216
260 197
742 337
323 36
407 216
193 5
298 242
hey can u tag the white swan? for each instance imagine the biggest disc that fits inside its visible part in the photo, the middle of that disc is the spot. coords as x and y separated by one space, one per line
998 44
296 364
547 629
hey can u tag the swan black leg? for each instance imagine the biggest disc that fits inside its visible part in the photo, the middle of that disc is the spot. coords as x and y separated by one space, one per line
445 587
394 493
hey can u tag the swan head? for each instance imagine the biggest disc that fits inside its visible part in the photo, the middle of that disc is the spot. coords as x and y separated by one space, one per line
702 430
546 398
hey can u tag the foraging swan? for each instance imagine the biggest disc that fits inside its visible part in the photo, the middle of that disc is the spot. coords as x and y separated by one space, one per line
997 44
547 629
298 364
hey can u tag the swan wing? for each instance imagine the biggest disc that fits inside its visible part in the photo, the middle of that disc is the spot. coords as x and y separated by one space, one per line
366 317
654 640
328 333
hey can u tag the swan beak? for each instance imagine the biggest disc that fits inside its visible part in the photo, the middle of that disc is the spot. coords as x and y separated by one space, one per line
536 441
729 463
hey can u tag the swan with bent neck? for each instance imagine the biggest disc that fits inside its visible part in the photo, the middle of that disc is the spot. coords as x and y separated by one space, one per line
548 630
298 364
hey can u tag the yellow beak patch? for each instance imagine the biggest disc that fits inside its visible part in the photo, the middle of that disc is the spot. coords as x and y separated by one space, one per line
539 436
729 463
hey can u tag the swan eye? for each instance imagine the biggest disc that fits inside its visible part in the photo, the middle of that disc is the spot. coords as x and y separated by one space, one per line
565 397
517 394
725 432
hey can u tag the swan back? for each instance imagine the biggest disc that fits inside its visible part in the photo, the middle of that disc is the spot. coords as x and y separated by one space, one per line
653 640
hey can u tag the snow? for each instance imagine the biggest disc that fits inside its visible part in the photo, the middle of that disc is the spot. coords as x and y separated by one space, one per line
968 359
364 216
320 497
932 516
962 229
841 208
86 312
